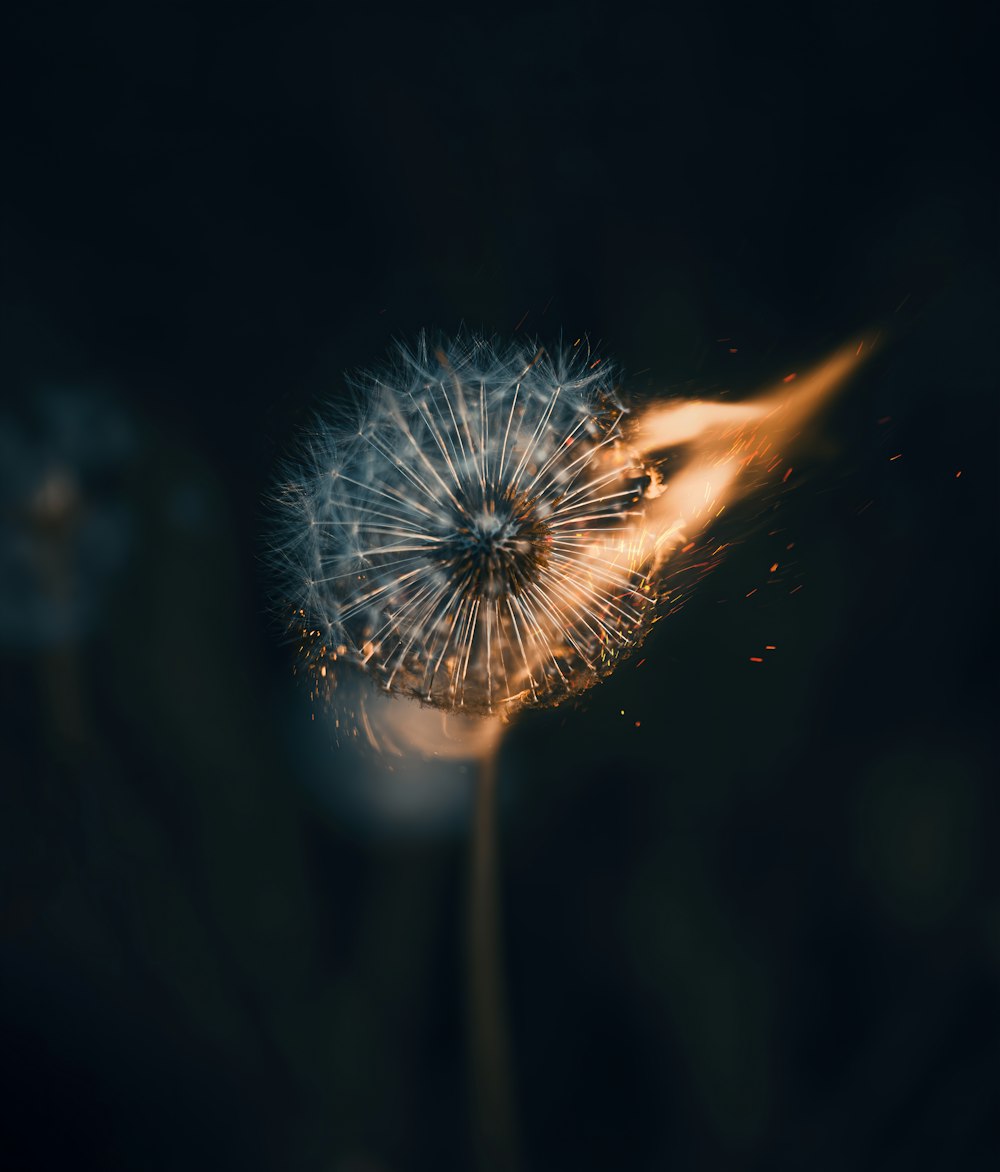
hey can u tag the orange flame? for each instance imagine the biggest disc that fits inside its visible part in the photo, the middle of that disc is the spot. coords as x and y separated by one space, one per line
725 440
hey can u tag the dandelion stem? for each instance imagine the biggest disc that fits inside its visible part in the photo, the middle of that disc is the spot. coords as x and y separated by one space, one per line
495 1132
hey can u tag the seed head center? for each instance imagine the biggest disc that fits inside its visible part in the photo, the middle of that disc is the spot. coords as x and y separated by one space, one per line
495 550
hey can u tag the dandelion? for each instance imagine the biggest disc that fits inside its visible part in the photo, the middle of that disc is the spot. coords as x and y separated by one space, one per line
465 538
65 523
484 534
66 531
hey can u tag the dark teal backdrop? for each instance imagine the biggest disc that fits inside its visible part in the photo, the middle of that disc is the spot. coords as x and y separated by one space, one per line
759 931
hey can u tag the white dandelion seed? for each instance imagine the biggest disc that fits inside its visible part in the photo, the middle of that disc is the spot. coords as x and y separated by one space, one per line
465 538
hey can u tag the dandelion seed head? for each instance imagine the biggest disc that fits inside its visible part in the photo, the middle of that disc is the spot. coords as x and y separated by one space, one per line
463 538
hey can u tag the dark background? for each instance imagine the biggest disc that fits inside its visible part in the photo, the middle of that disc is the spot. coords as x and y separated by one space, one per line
759 931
